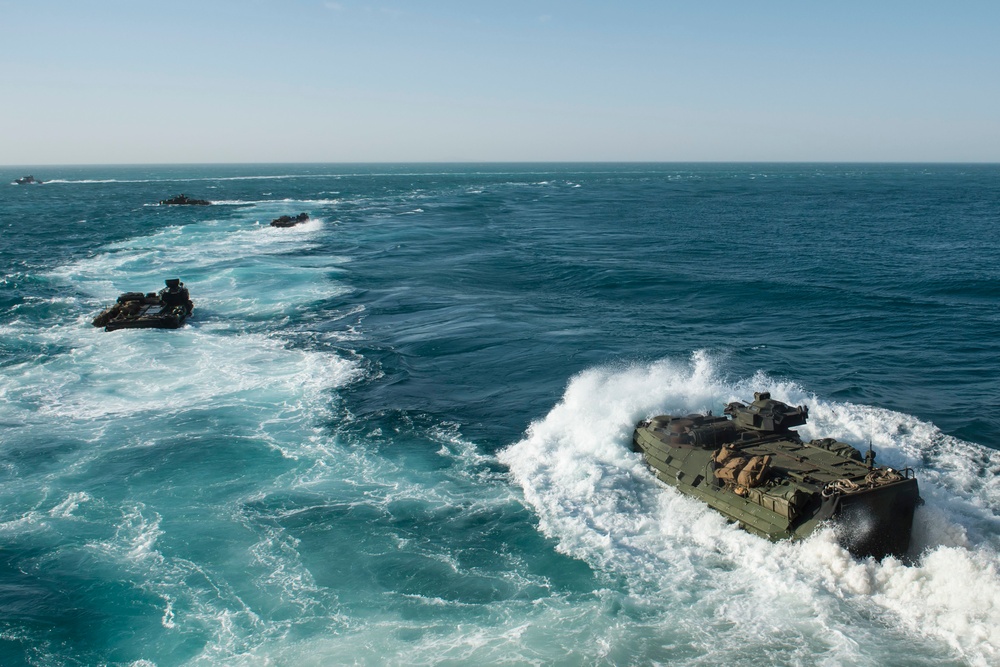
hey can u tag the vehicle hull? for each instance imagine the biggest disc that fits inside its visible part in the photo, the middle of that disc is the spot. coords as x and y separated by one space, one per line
167 309
805 484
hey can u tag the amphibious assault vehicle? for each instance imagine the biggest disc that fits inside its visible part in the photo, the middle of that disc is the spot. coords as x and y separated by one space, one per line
184 200
290 221
166 309
751 467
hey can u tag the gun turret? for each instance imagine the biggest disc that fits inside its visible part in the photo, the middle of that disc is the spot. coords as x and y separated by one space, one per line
767 414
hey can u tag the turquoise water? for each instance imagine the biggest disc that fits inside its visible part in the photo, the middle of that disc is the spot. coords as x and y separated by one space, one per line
399 433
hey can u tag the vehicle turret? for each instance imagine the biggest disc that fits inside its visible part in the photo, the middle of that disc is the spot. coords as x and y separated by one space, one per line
767 414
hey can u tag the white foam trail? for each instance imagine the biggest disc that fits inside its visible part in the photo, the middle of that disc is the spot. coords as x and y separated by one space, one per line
107 391
596 498
267 202
119 375
231 268
234 273
65 509
91 181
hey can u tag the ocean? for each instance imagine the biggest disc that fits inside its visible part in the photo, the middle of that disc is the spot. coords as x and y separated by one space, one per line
399 434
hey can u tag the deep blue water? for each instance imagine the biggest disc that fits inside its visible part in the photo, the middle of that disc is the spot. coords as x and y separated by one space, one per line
398 434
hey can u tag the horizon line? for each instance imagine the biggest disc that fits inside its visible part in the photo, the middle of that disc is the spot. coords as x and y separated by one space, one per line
499 162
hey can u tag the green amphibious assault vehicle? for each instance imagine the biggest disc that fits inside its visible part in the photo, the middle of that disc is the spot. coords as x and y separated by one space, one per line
166 309
755 470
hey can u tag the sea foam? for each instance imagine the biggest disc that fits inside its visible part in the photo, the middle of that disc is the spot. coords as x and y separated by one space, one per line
598 500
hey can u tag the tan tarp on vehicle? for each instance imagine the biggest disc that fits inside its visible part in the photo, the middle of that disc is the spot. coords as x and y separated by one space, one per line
735 469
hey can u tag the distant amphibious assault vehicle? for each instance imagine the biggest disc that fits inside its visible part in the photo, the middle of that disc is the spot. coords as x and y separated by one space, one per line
290 221
752 468
166 309
184 200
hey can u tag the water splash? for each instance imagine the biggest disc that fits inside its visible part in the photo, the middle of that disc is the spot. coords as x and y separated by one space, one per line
598 500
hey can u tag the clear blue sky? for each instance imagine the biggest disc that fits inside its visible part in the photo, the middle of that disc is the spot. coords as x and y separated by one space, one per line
146 81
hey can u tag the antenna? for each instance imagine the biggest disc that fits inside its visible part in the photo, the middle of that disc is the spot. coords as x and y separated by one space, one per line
870 456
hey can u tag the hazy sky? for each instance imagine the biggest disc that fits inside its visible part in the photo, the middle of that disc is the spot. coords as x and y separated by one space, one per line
148 81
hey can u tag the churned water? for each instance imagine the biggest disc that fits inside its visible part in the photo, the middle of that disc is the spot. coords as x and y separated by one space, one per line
399 433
